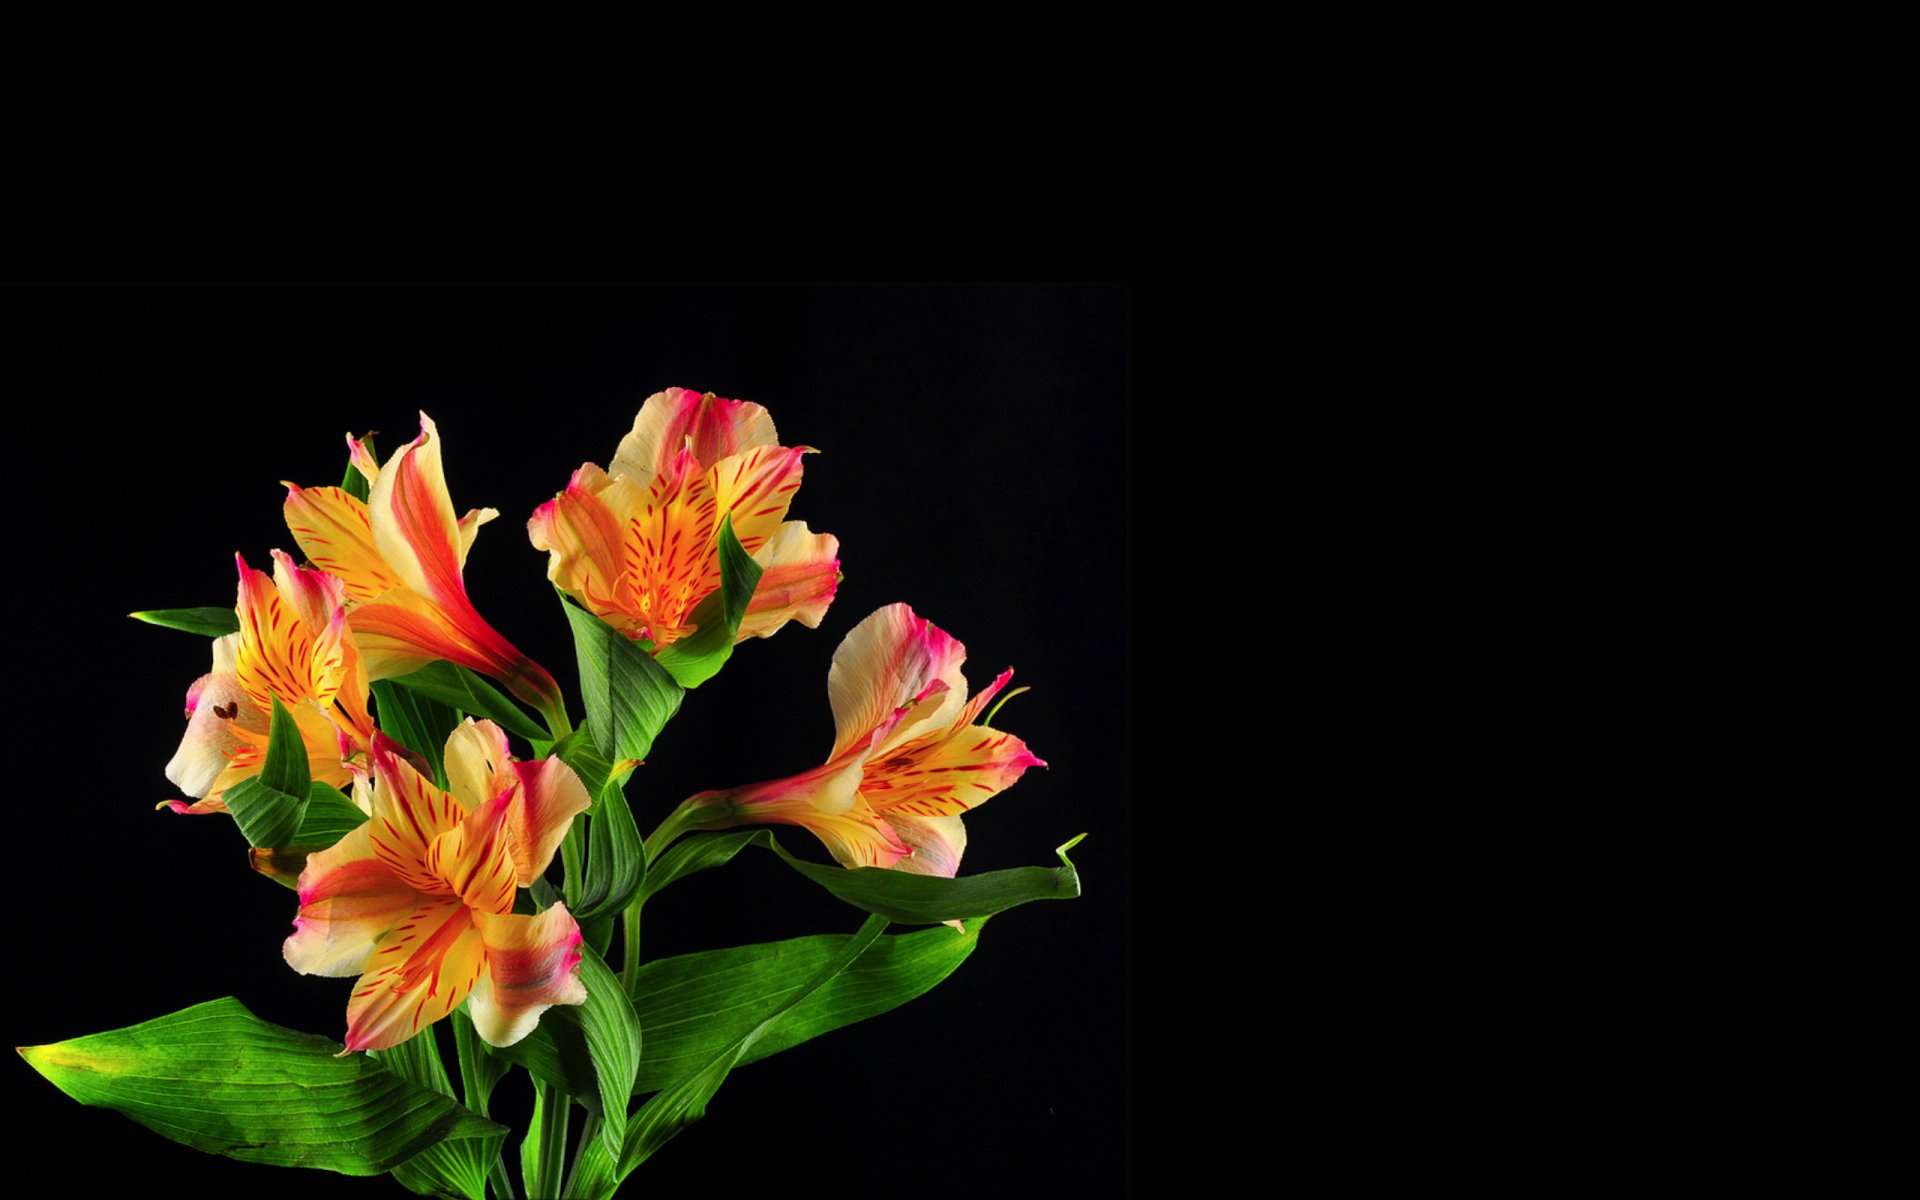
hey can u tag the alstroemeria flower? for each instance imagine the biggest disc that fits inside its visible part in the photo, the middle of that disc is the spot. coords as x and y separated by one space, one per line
292 644
907 760
635 545
418 901
401 554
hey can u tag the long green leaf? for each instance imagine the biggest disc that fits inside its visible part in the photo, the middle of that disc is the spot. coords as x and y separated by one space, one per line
457 1166
674 1108
417 721
269 806
219 1079
458 687
628 696
591 1050
212 622
895 895
694 1005
694 659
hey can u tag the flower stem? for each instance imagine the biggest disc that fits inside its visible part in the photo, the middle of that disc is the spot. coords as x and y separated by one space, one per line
630 940
587 1134
543 1155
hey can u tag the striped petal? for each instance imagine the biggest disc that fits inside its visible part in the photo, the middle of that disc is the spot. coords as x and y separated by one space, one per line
679 418
408 814
586 543
476 759
944 776
349 901
799 572
937 842
549 798
756 488
419 973
278 654
889 661
472 858
533 963
413 521
335 532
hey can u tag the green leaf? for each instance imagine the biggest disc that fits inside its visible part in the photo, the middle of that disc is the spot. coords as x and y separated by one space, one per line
213 622
458 687
895 895
456 1167
330 816
417 721
269 806
480 1066
616 854
693 853
628 696
591 1050
694 659
675 1107
694 1005
219 1079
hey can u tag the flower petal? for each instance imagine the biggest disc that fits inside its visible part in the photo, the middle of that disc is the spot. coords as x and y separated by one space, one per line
413 523
533 963
408 813
335 532
418 974
586 542
799 572
889 660
718 429
349 901
476 759
550 797
472 857
938 843
943 776
278 654
756 488
213 703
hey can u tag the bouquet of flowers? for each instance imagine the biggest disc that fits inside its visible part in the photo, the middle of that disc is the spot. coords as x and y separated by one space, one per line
466 852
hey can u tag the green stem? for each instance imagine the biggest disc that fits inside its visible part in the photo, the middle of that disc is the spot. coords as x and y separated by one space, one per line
572 862
587 1134
630 941
502 1182
544 1154
685 819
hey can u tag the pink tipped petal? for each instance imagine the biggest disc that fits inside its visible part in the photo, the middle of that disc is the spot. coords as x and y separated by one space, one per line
417 975
550 797
409 813
533 963
315 596
214 702
202 808
756 488
884 662
858 837
470 528
413 523
349 900
946 776
799 573
362 458
586 541
672 419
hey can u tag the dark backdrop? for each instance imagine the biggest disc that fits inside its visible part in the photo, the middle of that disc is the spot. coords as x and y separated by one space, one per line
974 447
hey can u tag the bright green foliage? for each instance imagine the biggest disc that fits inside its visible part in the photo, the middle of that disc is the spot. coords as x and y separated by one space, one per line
457 1167
628 696
219 1079
269 806
695 1005
417 721
213 622
460 688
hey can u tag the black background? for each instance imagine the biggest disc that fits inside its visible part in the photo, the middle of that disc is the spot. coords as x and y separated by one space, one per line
974 447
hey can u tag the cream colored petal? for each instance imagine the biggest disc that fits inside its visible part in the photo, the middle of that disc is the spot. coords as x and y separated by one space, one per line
890 660
349 900
470 528
799 573
938 843
335 532
533 963
213 702
550 797
717 428
477 761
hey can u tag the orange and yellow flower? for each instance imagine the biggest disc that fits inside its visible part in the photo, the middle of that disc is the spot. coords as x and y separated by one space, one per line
907 760
400 554
292 644
418 901
635 543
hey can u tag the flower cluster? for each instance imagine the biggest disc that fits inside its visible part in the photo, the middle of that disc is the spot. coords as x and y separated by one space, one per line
437 898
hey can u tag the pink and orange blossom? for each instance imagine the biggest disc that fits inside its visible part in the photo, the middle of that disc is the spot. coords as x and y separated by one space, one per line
635 543
907 757
293 645
418 901
400 554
